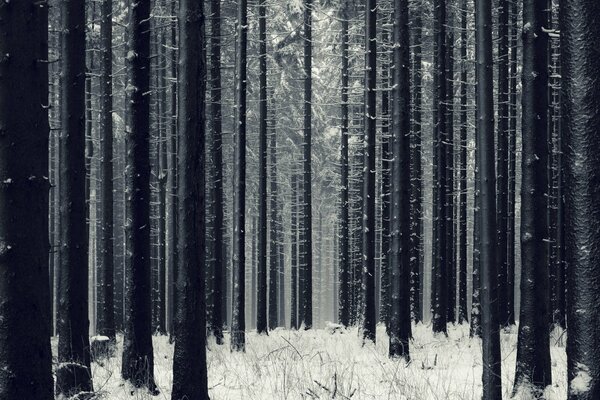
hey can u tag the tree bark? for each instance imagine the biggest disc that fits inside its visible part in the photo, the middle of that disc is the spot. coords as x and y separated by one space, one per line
189 359
368 226
400 329
492 384
74 374
138 358
579 36
533 371
238 318
25 352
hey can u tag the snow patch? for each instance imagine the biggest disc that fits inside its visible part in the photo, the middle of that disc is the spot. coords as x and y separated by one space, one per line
581 383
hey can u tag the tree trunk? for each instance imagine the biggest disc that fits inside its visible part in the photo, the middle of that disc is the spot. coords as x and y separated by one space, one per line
238 317
306 255
294 243
580 34
261 321
533 349
344 274
106 314
492 383
138 358
74 374
416 247
274 271
368 226
25 353
400 329
440 262
462 203
189 359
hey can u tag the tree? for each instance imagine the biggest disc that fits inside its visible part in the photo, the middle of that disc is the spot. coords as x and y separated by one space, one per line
238 323
344 274
261 316
416 223
440 262
25 353
492 384
216 241
106 314
533 348
368 226
502 161
462 203
449 198
579 35
274 264
138 358
74 374
190 377
306 215
294 240
400 262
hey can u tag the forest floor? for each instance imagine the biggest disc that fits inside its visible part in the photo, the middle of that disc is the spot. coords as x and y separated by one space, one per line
319 364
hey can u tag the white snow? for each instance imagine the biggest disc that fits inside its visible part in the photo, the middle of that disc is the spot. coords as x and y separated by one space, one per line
581 383
316 363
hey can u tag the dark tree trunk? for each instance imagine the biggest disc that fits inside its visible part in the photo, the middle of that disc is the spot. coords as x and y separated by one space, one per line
138 358
579 35
294 243
400 329
253 277
440 262
74 374
533 371
274 272
189 360
344 273
502 161
462 190
512 147
162 188
306 255
172 183
216 150
416 223
492 383
106 313
475 330
25 352
368 226
238 317
261 317
386 172
450 198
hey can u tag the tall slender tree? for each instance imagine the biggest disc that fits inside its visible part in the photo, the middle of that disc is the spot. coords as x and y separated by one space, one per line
25 352
216 150
416 247
189 360
400 257
462 165
238 317
533 348
261 315
306 256
138 357
106 313
294 243
274 270
440 262
579 38
344 274
492 384
74 374
502 160
368 227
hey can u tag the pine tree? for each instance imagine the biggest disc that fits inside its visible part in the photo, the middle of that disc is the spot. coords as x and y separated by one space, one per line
138 358
74 375
190 377
26 357
579 35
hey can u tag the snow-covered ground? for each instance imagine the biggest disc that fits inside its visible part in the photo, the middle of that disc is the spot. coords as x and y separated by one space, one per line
316 364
